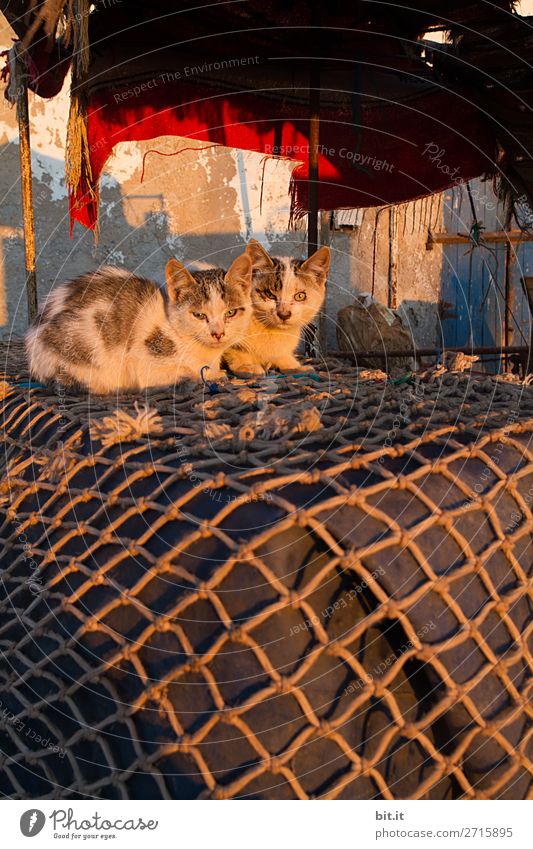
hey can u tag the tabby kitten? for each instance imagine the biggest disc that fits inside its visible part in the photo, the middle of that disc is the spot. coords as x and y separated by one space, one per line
110 330
286 296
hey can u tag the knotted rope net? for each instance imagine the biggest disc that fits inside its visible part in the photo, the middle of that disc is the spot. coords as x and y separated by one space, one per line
313 586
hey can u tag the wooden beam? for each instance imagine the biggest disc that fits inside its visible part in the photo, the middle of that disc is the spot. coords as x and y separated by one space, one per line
28 220
505 236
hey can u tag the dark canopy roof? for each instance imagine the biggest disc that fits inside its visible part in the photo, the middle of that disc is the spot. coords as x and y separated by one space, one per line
238 73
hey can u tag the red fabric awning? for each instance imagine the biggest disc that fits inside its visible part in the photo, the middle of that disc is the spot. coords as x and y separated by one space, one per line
391 130
388 157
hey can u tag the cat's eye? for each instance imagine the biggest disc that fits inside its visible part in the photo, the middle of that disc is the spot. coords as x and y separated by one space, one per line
200 315
270 295
300 296
230 313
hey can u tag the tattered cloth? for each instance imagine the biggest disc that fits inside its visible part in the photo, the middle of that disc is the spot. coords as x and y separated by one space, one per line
333 604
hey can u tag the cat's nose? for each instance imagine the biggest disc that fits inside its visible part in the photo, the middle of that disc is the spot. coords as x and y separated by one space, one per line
216 335
284 315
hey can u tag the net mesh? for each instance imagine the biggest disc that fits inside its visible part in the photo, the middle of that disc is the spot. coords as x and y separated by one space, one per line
314 586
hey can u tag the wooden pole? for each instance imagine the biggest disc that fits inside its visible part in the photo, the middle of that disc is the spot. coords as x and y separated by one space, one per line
23 119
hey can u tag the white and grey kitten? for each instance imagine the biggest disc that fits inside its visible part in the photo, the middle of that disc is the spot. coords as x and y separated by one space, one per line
286 295
110 330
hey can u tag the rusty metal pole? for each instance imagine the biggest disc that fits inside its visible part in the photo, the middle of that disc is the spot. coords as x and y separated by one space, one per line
314 140
312 344
527 283
23 118
508 329
392 288
325 239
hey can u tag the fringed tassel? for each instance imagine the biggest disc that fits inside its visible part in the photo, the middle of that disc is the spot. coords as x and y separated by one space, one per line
296 212
77 35
78 171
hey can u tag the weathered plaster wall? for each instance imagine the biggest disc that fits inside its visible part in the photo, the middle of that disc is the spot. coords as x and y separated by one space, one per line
361 264
199 207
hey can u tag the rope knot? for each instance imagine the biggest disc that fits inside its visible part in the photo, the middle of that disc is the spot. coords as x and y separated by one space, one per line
237 632
274 764
202 591
302 518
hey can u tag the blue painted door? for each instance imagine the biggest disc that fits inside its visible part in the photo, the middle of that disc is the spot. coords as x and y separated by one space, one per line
473 278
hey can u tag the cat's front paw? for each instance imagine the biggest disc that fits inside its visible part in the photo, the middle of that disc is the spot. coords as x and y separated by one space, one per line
289 364
300 368
249 370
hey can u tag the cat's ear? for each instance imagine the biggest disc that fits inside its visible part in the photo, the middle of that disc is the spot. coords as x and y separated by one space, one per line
240 271
177 277
258 255
318 264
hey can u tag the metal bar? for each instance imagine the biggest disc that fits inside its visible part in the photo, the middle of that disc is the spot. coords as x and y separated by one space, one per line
527 283
392 287
509 299
28 220
528 368
430 352
314 138
311 334
325 239
485 236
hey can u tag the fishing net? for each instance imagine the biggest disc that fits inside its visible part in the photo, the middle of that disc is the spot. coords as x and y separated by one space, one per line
309 586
